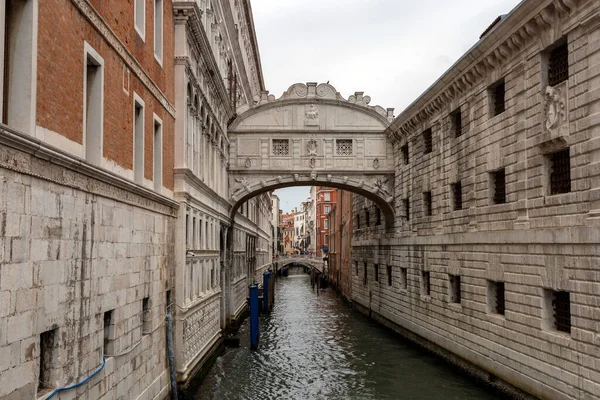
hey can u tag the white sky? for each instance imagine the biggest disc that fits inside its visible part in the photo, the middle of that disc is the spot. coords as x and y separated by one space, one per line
392 50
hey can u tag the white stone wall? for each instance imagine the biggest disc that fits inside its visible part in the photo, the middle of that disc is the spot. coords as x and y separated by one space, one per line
66 257
533 243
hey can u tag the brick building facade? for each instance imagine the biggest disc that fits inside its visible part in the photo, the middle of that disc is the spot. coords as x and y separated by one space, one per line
340 241
324 201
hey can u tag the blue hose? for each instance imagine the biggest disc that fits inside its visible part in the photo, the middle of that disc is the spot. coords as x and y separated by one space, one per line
80 383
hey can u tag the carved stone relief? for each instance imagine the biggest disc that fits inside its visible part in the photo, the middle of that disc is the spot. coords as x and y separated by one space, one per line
312 147
554 108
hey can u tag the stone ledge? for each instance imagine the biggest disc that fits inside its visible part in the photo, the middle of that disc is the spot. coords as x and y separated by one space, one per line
31 156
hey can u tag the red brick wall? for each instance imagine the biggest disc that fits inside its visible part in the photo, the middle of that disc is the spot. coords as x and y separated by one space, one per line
62 32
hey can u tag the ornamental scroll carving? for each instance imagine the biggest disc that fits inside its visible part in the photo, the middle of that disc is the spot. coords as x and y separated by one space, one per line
554 108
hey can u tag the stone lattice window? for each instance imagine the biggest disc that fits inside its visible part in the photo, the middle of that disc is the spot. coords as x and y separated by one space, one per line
558 65
560 172
343 147
281 147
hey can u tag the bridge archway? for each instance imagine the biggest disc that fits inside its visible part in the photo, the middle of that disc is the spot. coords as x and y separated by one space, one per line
312 136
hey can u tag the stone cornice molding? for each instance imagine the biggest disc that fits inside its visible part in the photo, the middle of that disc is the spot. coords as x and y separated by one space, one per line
190 9
188 176
116 187
513 34
90 13
312 93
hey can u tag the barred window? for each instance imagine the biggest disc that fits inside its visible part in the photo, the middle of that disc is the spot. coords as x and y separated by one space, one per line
427 204
455 295
498 179
281 147
403 278
560 172
457 195
496 298
497 97
404 151
406 204
425 283
376 271
456 120
558 65
365 274
558 306
377 215
343 147
389 274
427 141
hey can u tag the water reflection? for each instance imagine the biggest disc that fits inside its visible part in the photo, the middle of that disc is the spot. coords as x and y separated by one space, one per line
315 347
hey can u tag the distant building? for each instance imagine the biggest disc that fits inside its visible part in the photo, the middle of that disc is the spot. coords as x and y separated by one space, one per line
325 199
340 240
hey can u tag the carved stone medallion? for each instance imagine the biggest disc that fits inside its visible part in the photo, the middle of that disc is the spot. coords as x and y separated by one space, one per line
313 162
248 162
376 163
312 147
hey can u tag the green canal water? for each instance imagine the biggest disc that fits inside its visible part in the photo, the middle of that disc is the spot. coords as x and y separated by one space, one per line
316 347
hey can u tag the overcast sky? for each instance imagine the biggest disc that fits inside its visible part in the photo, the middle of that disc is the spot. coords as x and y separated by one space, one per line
392 50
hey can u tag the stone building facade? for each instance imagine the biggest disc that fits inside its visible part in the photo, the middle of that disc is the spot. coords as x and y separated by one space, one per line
495 255
86 208
217 71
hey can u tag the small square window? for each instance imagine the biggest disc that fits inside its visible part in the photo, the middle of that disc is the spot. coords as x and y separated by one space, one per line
404 151
457 195
557 311
558 64
560 172
497 98
455 295
427 141
343 147
376 271
498 183
403 278
495 297
427 204
456 121
425 283
406 205
389 275
281 147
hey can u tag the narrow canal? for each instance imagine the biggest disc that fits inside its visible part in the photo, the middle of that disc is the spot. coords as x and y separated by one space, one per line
316 347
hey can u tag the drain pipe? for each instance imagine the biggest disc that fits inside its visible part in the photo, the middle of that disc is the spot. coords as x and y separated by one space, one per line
171 356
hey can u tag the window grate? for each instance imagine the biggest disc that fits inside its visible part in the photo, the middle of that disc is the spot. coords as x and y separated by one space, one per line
404 151
558 65
343 147
427 141
500 306
455 295
561 305
426 283
499 181
457 195
428 208
389 275
498 92
406 205
403 278
281 147
456 118
560 172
